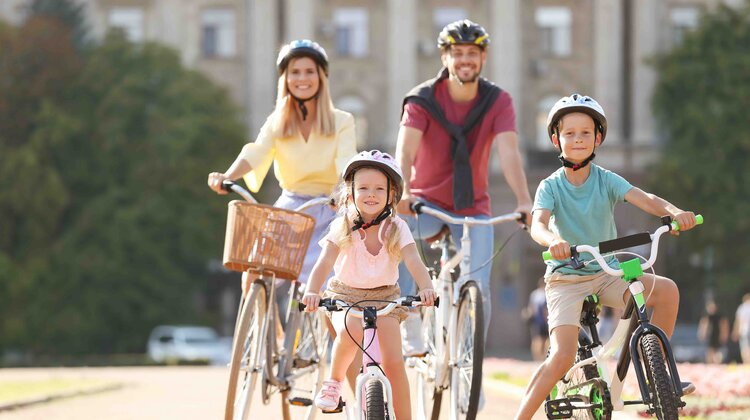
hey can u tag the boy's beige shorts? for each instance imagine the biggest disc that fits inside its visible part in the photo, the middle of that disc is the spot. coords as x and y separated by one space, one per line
566 292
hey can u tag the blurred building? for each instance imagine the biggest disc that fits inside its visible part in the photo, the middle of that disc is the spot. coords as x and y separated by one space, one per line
540 51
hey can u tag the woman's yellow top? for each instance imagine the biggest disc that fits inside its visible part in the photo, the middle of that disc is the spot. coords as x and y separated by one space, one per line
311 167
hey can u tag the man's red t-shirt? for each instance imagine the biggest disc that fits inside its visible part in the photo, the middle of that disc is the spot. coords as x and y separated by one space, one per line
432 172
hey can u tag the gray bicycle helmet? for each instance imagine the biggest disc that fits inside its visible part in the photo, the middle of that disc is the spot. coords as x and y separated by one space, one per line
463 32
577 103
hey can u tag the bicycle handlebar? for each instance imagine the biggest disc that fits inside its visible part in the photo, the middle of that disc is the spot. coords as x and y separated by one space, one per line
229 185
653 238
335 305
421 208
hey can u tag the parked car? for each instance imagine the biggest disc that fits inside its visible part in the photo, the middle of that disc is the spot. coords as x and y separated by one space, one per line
188 343
686 346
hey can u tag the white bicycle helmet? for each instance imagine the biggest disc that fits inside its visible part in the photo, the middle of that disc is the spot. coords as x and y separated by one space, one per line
577 103
377 159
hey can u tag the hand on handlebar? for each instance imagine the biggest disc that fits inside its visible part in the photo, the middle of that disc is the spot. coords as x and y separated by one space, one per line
560 249
428 296
311 301
215 180
404 206
686 220
525 210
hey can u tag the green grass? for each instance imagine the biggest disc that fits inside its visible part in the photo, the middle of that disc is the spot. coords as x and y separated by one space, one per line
506 377
28 389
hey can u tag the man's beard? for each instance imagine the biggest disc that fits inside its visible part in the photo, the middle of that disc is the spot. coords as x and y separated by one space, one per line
471 79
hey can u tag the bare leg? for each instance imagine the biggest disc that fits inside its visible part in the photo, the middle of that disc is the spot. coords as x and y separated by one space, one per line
353 370
344 349
664 298
563 345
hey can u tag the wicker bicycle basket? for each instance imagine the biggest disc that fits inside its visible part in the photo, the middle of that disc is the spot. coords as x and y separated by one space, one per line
266 238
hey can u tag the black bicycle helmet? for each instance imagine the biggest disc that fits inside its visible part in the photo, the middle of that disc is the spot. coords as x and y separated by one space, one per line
302 48
577 103
464 32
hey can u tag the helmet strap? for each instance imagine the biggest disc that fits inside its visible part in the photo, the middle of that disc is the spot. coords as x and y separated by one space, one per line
576 166
301 103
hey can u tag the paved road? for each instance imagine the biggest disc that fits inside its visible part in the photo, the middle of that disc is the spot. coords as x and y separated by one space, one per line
184 393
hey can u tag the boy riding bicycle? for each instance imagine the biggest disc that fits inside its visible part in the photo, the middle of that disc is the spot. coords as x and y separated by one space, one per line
576 205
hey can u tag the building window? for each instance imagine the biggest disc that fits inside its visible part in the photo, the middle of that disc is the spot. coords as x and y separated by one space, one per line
129 20
352 39
554 24
682 20
218 33
442 16
543 141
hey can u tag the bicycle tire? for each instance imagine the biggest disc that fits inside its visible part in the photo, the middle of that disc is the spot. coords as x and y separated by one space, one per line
375 408
245 347
587 386
663 398
429 395
466 375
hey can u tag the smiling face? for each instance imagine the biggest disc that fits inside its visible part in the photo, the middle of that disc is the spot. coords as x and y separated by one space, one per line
577 137
370 186
302 78
464 62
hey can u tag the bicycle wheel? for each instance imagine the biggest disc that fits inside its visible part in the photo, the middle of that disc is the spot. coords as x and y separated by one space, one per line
429 395
374 401
466 375
587 393
248 351
309 361
663 399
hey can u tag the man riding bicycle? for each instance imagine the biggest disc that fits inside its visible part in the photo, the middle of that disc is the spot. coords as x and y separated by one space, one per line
448 127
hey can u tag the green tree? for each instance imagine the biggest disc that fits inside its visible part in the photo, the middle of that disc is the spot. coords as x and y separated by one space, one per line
103 182
701 102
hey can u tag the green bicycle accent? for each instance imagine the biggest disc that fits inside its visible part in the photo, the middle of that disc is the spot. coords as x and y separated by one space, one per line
640 301
598 402
698 221
631 269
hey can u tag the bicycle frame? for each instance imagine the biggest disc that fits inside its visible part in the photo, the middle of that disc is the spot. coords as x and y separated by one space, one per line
633 324
371 357
283 379
447 317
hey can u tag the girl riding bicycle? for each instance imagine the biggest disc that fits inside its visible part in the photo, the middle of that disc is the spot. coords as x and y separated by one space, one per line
305 137
364 247
576 205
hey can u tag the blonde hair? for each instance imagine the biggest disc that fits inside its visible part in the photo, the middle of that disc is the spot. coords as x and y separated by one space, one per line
341 227
286 121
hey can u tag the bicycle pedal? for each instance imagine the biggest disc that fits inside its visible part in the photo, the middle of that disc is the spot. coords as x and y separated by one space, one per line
300 402
338 409
561 408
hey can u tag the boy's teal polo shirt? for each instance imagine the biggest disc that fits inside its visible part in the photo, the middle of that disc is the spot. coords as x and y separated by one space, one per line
582 215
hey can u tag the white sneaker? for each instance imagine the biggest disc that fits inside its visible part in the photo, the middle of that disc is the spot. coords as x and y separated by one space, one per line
411 335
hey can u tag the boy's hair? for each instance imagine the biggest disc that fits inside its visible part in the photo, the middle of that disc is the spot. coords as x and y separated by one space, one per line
341 227
286 122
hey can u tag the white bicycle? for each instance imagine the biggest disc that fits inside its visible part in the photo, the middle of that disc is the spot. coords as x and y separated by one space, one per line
373 397
454 333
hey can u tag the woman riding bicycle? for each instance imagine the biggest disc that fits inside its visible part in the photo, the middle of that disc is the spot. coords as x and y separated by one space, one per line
305 137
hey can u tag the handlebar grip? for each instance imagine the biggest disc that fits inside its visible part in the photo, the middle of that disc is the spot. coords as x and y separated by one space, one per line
301 306
227 184
546 255
416 207
698 221
436 304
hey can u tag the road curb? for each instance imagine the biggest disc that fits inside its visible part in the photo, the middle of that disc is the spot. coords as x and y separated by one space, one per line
57 396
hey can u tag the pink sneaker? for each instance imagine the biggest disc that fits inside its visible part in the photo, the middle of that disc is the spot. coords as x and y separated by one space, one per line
329 395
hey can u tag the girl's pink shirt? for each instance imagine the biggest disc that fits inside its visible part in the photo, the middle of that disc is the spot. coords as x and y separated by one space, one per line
356 267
